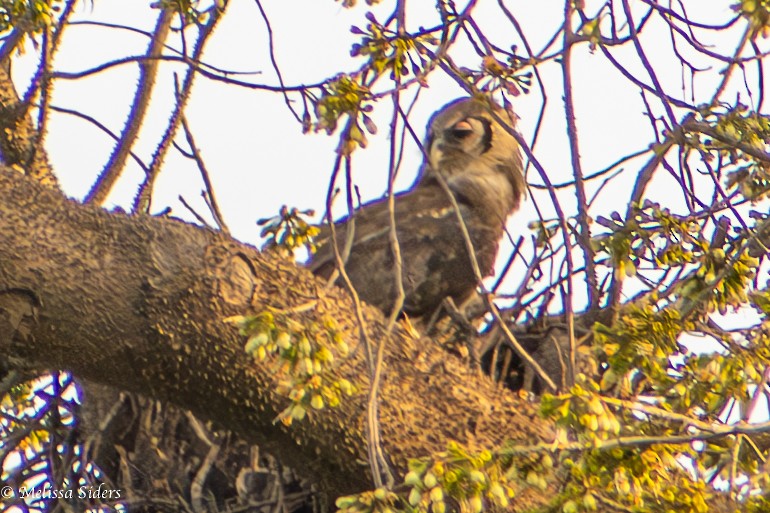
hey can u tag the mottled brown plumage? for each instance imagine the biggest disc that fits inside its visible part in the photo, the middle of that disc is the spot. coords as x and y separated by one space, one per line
480 162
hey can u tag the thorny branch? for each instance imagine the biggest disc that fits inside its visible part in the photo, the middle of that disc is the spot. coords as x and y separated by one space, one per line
143 196
148 72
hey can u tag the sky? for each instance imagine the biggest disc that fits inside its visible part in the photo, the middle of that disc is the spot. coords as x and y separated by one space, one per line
257 155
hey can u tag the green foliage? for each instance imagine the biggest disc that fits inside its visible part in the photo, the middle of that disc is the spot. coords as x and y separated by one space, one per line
305 357
187 9
347 96
758 14
41 443
653 235
544 231
616 461
661 240
344 96
289 230
405 59
592 30
391 51
635 479
638 347
736 137
721 283
635 423
16 405
635 427
473 482
29 16
380 500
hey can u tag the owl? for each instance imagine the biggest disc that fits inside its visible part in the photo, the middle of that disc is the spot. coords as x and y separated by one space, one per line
480 163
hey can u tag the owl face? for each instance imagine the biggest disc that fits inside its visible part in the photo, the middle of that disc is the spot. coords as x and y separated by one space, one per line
474 153
458 138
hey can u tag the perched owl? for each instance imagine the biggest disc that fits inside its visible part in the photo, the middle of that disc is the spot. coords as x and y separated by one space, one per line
480 162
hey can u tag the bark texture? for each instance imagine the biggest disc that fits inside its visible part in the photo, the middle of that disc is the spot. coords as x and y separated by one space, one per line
139 303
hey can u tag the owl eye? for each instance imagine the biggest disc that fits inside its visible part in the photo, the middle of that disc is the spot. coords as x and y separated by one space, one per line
461 130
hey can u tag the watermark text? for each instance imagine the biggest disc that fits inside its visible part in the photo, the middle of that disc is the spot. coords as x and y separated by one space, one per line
46 491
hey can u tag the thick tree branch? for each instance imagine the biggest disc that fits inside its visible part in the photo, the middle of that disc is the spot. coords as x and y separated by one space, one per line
139 302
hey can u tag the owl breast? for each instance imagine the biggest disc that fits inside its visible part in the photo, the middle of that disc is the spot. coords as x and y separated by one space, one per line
478 161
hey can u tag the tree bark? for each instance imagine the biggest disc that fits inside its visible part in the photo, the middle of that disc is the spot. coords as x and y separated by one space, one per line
139 303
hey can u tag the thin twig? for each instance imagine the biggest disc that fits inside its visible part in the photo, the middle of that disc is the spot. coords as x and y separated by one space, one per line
212 201
274 61
101 127
143 197
195 214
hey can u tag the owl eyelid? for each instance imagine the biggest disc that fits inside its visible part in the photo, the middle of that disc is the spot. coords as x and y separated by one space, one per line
461 129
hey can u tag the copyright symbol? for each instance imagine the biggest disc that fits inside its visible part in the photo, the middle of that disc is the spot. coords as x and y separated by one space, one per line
6 492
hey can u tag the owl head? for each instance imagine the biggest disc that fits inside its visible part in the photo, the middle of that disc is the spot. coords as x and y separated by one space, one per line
474 153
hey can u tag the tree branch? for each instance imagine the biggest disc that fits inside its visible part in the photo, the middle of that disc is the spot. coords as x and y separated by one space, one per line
140 302
149 70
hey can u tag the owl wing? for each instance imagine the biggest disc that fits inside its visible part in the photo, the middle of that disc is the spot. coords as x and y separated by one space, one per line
435 262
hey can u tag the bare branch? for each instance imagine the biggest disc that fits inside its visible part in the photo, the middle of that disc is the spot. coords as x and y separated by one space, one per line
148 72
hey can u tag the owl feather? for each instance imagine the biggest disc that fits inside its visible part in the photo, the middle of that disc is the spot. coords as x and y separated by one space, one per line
478 159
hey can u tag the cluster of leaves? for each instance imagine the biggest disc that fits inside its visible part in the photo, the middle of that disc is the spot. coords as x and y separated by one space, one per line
187 9
630 477
289 230
305 357
618 460
582 409
16 404
388 50
740 138
352 3
467 479
380 500
40 443
645 356
471 482
722 283
29 16
494 75
653 234
592 30
545 230
345 95
638 348
636 454
758 14
733 140
633 479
